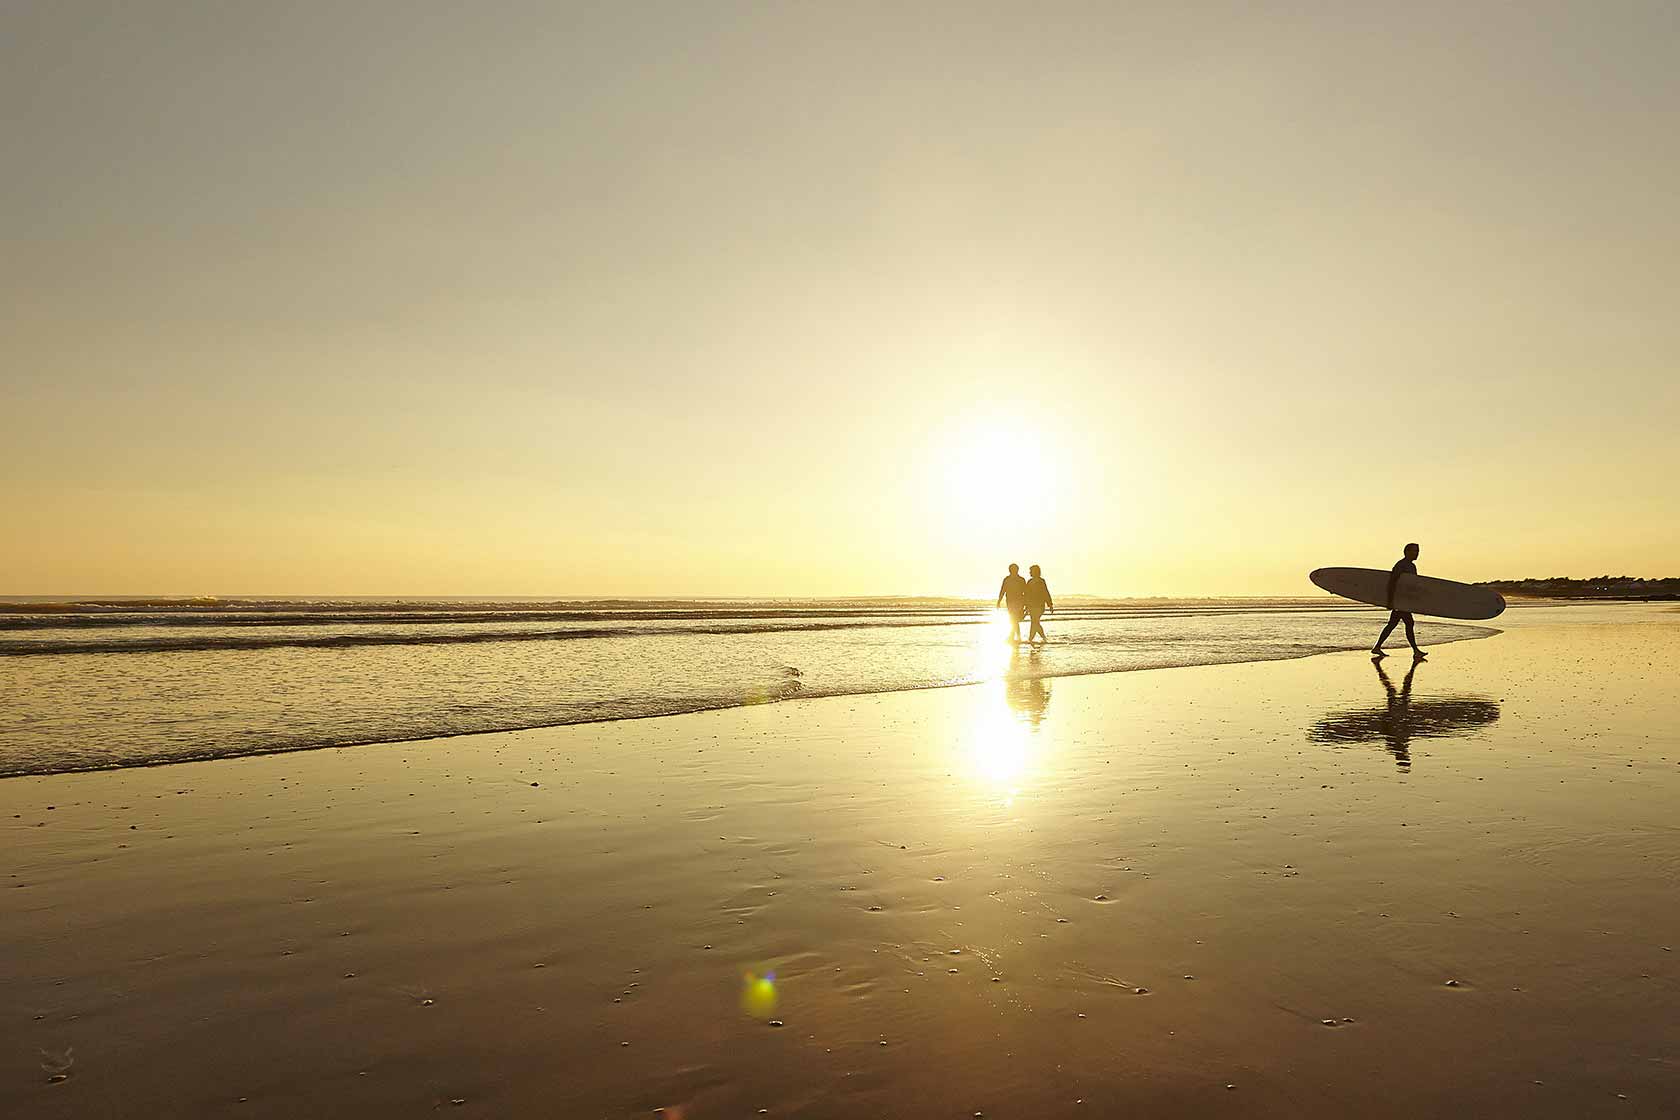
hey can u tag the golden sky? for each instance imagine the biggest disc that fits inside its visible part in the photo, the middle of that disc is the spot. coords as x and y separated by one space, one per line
782 299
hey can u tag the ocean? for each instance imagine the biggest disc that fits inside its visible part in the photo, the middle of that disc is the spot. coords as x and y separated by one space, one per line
101 683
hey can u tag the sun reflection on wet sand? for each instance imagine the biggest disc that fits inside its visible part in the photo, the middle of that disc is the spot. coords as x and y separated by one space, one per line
1001 743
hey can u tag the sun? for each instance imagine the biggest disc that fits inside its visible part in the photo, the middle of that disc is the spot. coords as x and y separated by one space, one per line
998 478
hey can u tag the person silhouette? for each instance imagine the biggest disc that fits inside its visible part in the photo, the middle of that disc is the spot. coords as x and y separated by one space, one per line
1038 601
1014 592
1407 565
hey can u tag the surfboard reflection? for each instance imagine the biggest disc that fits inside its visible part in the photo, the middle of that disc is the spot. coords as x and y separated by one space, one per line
1403 719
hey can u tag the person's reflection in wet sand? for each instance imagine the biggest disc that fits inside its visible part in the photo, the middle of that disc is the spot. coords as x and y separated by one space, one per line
1027 693
1402 719
1398 715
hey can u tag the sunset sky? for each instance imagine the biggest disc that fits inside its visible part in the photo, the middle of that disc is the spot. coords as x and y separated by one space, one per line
827 299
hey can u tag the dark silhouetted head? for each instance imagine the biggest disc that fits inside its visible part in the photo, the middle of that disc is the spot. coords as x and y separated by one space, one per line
1014 569
1411 552
1034 570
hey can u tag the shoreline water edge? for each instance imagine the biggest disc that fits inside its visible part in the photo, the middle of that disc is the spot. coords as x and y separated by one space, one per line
107 686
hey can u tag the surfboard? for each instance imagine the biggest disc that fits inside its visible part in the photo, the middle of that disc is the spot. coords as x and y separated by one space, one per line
1419 594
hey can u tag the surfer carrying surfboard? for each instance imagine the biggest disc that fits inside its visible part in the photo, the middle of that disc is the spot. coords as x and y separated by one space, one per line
1407 565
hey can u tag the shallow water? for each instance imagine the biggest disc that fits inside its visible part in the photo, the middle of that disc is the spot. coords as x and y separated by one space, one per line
106 686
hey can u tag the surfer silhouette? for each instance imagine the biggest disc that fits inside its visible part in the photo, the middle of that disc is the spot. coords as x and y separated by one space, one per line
1014 592
1407 565
1038 601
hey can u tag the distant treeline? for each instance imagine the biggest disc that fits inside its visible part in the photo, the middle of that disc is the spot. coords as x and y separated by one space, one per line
1597 587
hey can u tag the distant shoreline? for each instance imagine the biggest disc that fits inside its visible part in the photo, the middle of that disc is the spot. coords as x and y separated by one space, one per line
1604 589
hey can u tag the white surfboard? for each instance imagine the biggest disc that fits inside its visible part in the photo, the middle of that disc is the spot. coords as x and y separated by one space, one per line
1418 594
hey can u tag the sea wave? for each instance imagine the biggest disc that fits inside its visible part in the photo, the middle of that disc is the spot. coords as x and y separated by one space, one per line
172 644
109 635
92 697
15 610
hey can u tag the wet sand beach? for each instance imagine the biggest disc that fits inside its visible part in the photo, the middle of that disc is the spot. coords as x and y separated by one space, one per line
1295 888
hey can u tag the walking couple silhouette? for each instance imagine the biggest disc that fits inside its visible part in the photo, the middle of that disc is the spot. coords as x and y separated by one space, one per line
1025 598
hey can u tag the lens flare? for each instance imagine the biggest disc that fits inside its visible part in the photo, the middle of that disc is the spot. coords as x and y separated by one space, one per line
758 995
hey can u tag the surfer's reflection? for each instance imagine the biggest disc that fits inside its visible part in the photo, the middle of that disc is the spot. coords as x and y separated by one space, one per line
1027 693
1403 719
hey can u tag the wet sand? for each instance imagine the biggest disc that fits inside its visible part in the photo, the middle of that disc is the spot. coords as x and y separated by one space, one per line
1281 889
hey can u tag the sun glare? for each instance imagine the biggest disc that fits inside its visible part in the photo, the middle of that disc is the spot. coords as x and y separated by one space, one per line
998 479
1001 748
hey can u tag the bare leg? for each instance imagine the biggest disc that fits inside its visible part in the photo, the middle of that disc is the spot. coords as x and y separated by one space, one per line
1393 621
1411 637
